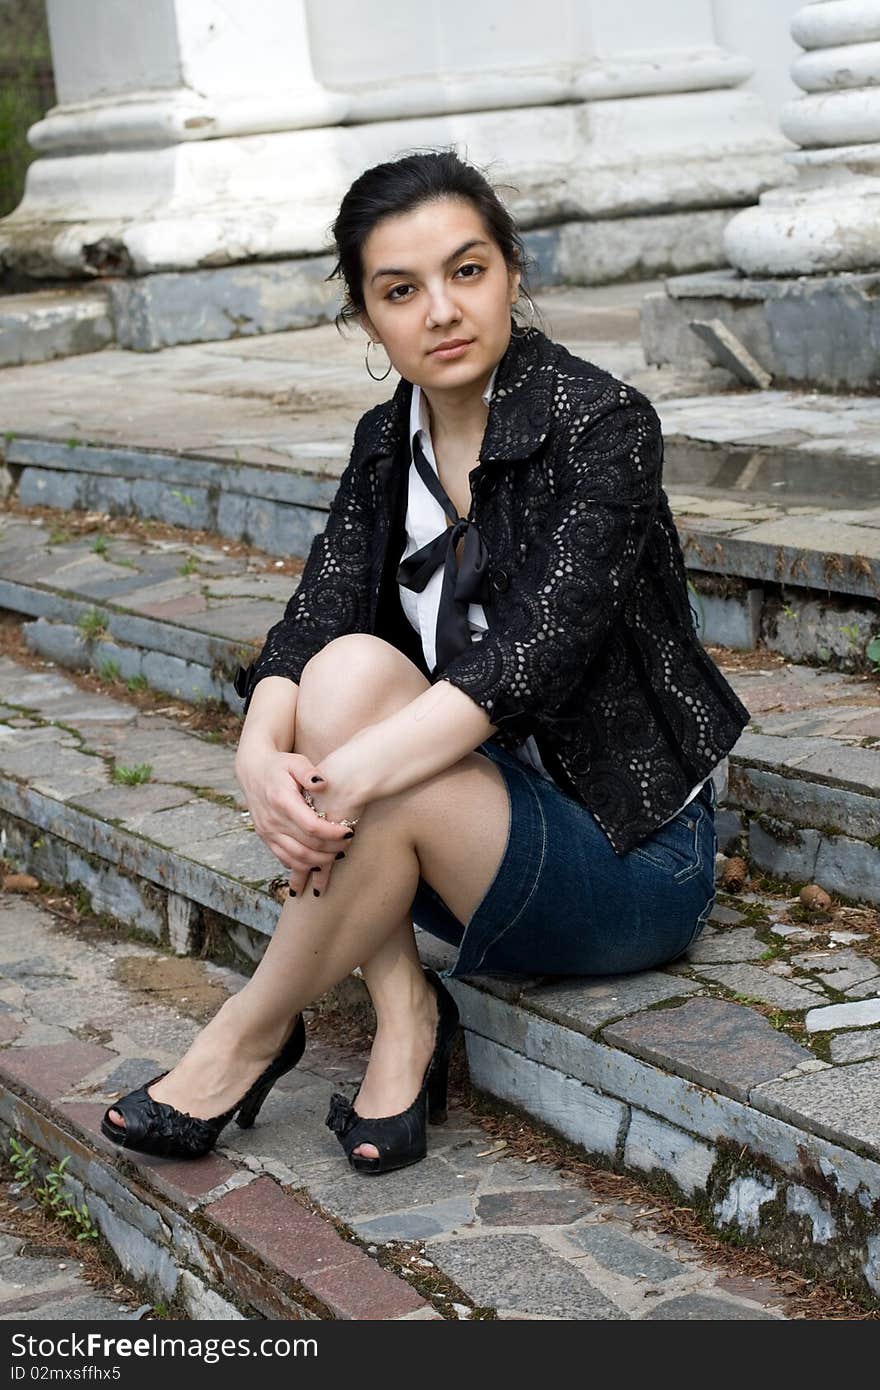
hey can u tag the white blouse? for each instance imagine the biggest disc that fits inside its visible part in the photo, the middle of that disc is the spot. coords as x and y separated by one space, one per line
425 519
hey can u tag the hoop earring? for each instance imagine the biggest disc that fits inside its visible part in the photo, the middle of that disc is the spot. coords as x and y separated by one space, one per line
522 329
370 344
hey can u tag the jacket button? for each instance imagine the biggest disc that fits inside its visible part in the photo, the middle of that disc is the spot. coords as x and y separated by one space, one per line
500 581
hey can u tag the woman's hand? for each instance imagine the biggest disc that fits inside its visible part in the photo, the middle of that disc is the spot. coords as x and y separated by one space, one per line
307 845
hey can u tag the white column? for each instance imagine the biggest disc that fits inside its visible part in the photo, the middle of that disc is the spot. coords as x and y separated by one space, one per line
193 133
130 74
829 220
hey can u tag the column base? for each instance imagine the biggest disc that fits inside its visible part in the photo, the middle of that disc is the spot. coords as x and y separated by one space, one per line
205 203
827 221
819 331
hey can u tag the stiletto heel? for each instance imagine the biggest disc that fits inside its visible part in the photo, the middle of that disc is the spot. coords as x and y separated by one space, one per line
437 1086
401 1139
252 1104
153 1127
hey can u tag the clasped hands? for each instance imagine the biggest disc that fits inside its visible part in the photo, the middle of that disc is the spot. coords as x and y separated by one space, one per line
307 844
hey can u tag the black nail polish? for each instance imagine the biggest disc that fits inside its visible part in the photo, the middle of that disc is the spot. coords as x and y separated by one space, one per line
316 779
341 854
317 892
349 834
293 892
315 869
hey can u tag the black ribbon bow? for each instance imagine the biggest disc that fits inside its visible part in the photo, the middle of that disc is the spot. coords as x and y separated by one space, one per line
341 1116
463 584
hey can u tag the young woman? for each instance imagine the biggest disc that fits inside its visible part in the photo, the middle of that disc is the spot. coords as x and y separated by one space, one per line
485 708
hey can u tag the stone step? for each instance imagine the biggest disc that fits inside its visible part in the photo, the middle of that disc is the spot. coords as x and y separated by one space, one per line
804 795
801 580
273 1224
43 324
804 785
801 577
673 1088
175 614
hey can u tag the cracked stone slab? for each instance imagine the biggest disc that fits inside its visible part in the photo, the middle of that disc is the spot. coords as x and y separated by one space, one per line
857 1046
861 1013
622 1254
519 1273
714 1042
586 1004
756 983
839 1103
838 969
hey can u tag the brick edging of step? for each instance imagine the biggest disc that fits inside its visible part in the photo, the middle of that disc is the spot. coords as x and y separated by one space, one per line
207 1237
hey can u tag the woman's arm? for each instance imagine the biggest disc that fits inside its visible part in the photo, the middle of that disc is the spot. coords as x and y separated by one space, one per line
271 778
431 733
333 594
270 723
569 591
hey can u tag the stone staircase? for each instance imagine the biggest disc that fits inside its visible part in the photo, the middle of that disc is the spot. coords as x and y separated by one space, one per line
740 1074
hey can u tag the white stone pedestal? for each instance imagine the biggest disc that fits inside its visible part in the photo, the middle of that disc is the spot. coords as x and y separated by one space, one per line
201 133
829 220
803 297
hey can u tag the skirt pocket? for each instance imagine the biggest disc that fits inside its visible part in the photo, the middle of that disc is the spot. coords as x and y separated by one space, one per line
675 847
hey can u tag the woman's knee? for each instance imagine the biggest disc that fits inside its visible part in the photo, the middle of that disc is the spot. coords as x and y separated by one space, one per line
354 680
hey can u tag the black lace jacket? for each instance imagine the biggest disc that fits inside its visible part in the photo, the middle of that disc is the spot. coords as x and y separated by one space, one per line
591 644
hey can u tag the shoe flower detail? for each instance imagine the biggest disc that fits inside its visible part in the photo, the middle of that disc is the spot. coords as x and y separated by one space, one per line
340 1117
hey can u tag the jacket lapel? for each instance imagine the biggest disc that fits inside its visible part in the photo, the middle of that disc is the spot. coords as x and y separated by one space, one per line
519 409
517 425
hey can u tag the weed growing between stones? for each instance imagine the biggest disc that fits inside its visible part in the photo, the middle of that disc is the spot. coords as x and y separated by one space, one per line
44 1236
131 776
51 1193
109 670
91 624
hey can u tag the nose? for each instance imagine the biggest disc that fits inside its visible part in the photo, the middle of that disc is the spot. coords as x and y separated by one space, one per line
442 308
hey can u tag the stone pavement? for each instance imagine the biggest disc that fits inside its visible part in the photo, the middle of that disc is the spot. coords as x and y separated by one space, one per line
45 1285
761 1041
275 1224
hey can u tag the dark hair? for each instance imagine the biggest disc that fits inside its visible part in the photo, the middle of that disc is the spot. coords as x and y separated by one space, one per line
400 186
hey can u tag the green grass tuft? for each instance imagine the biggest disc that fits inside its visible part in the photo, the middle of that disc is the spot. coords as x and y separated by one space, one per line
131 776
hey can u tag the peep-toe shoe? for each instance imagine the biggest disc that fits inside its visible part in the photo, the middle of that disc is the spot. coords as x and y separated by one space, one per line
401 1139
153 1127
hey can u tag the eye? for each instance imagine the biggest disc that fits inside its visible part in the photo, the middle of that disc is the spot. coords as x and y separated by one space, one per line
471 265
391 293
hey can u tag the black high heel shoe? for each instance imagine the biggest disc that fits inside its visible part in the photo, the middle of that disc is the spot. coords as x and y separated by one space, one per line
401 1139
152 1127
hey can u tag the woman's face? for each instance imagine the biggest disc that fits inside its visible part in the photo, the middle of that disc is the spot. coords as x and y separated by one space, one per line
433 275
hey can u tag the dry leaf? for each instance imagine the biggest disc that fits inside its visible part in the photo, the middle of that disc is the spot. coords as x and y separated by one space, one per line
20 883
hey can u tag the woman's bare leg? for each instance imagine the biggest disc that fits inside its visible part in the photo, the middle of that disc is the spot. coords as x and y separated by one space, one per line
452 827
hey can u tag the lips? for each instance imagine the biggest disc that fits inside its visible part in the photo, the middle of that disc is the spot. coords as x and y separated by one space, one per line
453 343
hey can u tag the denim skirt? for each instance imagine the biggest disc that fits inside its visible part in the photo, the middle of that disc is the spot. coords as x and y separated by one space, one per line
563 902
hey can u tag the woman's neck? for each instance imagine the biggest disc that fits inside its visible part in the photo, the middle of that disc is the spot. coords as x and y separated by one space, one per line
458 416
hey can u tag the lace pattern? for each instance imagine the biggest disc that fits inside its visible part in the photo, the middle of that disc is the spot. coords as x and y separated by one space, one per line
591 646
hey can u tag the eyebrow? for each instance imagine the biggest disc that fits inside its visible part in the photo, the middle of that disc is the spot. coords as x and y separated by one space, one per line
459 251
